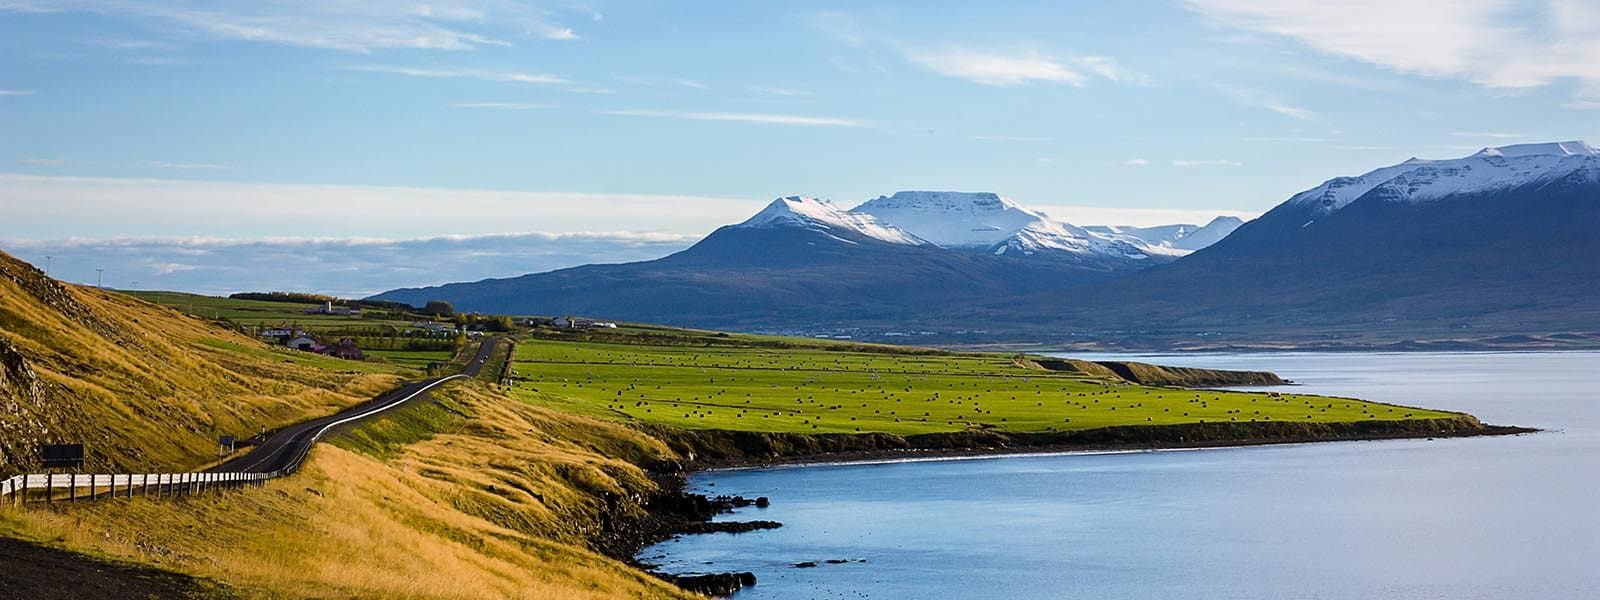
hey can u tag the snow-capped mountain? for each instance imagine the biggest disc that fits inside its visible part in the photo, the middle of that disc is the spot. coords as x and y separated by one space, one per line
989 222
821 215
1499 243
1183 237
954 219
1488 170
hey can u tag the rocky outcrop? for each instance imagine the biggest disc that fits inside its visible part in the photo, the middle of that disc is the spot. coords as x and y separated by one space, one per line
23 398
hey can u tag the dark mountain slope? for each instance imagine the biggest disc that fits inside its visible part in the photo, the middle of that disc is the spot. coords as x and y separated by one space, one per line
1519 260
763 277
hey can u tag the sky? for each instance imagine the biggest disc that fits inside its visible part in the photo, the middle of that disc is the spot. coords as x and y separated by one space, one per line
350 146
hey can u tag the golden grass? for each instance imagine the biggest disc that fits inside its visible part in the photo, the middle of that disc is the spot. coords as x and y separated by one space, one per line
144 387
491 498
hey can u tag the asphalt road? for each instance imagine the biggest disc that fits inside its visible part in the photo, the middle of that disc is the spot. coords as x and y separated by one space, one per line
286 447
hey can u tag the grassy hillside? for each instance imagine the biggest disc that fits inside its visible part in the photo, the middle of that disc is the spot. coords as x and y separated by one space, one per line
472 497
851 389
141 385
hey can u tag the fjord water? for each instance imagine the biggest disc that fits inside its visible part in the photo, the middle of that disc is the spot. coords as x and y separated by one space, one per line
1493 517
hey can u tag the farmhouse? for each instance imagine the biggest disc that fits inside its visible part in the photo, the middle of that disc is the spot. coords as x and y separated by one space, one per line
345 349
303 342
328 308
571 322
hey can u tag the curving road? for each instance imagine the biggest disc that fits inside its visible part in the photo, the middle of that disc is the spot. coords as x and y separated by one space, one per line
287 447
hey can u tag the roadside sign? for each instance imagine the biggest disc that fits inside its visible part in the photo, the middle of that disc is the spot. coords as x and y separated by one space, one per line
62 456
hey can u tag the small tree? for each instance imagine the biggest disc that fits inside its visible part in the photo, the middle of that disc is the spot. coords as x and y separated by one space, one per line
439 308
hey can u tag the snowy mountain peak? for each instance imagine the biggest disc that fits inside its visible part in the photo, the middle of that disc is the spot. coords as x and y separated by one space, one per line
821 215
968 202
1571 148
1490 169
953 219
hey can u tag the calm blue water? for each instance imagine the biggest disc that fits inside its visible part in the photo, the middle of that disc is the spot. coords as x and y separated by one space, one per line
1506 517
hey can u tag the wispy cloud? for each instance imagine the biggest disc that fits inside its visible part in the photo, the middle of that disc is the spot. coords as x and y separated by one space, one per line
1264 100
1136 162
188 166
1010 138
502 105
997 68
663 82
767 118
1496 44
778 91
360 26
13 93
1497 135
42 162
841 25
463 73
1209 162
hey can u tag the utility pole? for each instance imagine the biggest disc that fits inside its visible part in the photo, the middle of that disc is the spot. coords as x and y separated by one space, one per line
98 273
47 258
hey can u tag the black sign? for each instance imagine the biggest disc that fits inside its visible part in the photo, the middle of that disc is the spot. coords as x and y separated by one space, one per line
226 440
62 456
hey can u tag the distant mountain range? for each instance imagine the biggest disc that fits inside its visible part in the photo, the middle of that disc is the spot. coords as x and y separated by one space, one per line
1498 245
803 262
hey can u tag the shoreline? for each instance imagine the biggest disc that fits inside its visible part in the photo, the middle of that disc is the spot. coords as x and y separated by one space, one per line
893 456
676 510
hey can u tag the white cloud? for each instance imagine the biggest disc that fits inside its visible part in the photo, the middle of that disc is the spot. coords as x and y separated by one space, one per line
772 119
1495 43
481 74
1208 162
354 26
1136 162
61 206
12 93
188 166
996 68
41 162
501 105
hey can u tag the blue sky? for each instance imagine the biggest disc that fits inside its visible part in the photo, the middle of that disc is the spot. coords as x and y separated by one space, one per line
398 120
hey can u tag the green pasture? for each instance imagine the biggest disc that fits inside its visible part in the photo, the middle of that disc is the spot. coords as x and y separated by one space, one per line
812 389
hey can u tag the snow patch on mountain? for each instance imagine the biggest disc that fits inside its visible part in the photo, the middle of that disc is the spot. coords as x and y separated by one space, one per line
1489 169
953 219
821 215
991 222
1185 237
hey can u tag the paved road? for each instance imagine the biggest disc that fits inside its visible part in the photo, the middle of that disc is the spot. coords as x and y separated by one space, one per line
285 448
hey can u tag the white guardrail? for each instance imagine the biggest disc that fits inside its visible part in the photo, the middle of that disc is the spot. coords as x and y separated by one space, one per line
169 484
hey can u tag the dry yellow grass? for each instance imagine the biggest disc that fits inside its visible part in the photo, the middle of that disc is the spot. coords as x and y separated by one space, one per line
477 496
144 387
491 498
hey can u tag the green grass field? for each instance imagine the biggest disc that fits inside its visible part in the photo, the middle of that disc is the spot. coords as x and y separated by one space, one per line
815 390
259 313
373 335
